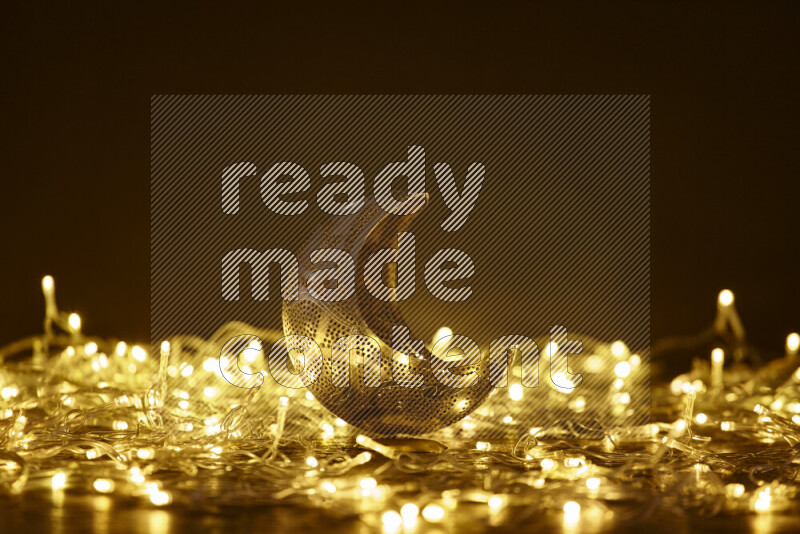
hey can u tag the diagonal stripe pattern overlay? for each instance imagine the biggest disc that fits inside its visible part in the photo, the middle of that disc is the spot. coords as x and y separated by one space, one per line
558 233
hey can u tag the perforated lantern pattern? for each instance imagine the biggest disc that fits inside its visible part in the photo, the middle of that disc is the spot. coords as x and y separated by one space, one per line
385 407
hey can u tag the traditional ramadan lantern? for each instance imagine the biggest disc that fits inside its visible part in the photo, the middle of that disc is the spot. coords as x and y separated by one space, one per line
369 370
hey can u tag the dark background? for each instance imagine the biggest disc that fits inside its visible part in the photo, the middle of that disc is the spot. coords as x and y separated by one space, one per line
77 81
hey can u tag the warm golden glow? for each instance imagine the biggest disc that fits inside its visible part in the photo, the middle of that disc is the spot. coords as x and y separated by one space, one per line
160 498
138 427
138 353
48 284
120 425
74 321
763 501
622 369
104 485
441 333
368 483
59 481
618 349
409 513
793 342
572 512
391 520
433 513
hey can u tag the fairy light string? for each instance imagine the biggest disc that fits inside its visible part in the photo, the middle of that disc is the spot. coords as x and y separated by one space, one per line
85 414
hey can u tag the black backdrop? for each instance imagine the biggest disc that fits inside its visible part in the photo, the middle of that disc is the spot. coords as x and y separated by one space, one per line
77 81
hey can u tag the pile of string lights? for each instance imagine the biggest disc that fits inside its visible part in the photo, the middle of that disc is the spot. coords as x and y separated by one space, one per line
88 415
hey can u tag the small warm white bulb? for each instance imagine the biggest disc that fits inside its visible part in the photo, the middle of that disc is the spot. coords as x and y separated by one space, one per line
726 297
793 343
120 425
551 349
138 353
572 512
717 355
442 333
622 369
679 427
74 321
433 513
160 498
409 511
136 475
104 485
48 284
618 349
496 502
391 520
368 483
763 501
59 481
144 454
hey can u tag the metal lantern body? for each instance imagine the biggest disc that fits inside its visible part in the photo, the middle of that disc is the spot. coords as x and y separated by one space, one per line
386 392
